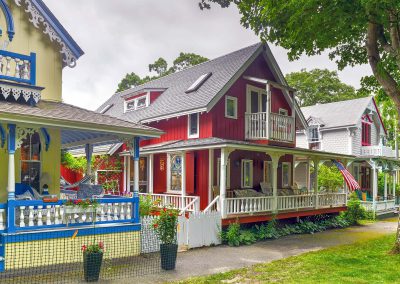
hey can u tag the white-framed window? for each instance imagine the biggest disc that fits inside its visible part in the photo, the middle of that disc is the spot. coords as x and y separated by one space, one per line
313 134
231 107
286 174
268 172
193 125
283 111
174 172
228 173
30 161
247 174
137 103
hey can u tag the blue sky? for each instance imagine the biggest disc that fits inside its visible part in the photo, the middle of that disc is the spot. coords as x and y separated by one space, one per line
122 36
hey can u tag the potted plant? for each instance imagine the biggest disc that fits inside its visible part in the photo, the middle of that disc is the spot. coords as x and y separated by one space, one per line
92 260
80 206
165 225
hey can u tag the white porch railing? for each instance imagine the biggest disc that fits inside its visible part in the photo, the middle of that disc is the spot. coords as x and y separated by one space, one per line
332 199
190 203
213 206
380 206
295 202
282 127
378 150
279 127
249 205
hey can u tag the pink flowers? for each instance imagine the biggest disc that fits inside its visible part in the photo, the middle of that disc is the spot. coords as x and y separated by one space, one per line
93 248
84 248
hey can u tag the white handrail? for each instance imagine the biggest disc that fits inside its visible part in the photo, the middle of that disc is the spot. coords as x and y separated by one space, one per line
210 206
190 205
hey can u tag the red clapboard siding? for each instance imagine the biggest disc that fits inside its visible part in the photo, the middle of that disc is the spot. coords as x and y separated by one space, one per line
202 177
160 173
190 168
235 128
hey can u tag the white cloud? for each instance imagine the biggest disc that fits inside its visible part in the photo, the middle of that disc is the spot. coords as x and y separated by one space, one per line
122 36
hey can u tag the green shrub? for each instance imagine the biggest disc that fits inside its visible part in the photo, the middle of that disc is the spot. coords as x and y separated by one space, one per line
247 237
146 205
330 177
232 235
355 211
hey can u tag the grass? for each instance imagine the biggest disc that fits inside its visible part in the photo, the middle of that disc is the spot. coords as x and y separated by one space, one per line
362 262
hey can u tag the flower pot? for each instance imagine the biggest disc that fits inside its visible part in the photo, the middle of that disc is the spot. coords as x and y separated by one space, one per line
168 256
92 265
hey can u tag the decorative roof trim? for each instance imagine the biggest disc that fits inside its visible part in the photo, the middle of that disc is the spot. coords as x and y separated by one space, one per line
30 95
40 14
9 19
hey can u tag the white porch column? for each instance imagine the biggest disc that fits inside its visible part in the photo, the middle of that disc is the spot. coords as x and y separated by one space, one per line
316 168
308 175
275 162
394 185
385 189
128 175
374 186
222 179
126 160
268 108
210 174
150 172
11 161
183 179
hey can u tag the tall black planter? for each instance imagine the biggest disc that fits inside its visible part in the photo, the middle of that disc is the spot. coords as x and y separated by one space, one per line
92 265
168 256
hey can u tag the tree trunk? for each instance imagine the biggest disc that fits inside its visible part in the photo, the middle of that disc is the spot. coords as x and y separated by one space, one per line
387 82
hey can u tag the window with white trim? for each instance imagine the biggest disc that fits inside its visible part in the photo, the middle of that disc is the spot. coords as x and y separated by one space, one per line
313 134
174 172
268 172
230 107
137 103
228 173
247 174
30 161
286 174
193 125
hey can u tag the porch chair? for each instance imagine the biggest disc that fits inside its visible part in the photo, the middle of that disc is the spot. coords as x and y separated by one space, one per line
266 188
90 191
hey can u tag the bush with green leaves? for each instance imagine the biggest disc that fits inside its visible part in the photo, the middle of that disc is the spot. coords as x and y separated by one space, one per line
355 212
235 236
330 178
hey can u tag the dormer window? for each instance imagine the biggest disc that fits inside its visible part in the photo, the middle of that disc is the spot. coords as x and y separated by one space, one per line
313 134
137 102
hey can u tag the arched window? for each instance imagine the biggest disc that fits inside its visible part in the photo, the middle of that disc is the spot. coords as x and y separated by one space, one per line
30 161
366 130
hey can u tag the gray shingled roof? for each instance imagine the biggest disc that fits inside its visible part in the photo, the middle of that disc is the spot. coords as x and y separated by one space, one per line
174 99
59 112
338 114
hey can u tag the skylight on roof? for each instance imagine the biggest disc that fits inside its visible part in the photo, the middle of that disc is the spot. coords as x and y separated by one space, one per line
200 81
106 108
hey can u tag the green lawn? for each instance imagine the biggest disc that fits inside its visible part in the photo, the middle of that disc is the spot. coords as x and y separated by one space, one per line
362 262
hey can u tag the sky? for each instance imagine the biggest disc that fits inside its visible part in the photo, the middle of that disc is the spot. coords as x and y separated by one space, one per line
123 36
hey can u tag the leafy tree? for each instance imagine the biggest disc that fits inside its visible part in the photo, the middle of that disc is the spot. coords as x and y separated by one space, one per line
319 86
329 177
353 32
185 60
160 67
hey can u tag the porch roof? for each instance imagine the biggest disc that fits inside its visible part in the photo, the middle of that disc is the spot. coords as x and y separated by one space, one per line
213 143
78 126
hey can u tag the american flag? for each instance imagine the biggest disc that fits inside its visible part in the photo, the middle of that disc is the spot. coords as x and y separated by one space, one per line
349 179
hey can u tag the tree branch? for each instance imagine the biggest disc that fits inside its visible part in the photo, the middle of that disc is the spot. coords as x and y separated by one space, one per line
389 85
394 31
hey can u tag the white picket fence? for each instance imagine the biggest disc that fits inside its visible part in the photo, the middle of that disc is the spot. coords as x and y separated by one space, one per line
198 230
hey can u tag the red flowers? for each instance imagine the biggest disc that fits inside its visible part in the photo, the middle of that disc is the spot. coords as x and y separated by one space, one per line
155 226
93 248
84 248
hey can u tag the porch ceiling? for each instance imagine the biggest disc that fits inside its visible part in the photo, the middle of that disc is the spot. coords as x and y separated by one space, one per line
216 143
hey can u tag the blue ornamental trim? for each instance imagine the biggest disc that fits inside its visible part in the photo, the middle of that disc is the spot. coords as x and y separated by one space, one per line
46 136
2 136
9 20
